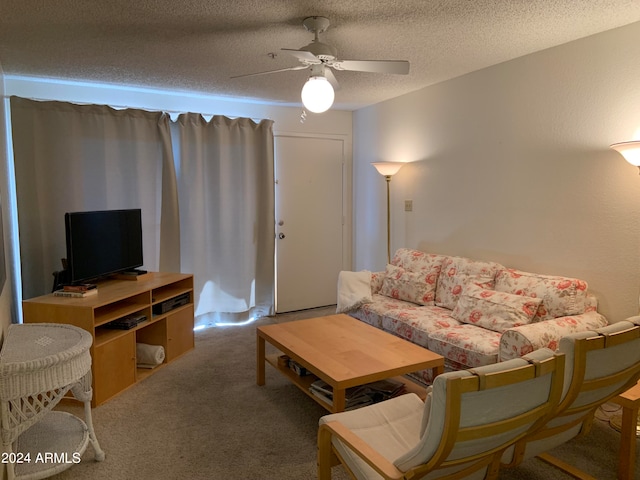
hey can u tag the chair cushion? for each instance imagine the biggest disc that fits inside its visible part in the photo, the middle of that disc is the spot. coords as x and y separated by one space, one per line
601 363
497 311
391 427
478 407
561 296
457 273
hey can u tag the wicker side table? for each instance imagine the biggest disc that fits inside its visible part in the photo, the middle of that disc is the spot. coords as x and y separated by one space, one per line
39 364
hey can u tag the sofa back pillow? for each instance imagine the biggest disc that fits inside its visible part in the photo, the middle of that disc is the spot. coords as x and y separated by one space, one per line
417 261
415 287
561 296
457 273
497 311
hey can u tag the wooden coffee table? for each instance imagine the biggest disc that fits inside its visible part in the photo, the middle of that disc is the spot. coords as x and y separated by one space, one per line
344 352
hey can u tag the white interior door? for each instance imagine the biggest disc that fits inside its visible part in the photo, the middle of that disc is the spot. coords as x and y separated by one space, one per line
309 221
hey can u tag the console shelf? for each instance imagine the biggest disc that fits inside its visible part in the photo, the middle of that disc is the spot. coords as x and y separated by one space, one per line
114 351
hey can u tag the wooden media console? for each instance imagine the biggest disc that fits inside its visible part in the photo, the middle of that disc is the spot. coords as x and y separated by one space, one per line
113 351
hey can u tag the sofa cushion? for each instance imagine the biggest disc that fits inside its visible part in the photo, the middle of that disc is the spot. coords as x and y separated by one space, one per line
376 281
415 287
417 324
457 273
497 311
417 261
561 296
466 344
404 319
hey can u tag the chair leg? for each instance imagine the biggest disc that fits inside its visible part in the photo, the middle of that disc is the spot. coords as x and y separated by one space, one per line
517 456
565 467
493 469
325 454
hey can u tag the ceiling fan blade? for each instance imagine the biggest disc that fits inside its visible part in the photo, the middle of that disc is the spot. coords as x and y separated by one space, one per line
374 66
328 74
302 55
297 67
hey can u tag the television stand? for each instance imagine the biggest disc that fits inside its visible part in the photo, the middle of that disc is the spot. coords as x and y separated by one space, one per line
135 271
132 275
113 351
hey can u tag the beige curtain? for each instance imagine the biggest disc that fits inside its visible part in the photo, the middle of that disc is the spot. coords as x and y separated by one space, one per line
205 190
226 197
89 157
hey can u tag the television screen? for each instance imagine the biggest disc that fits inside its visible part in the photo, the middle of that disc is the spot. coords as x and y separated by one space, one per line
101 243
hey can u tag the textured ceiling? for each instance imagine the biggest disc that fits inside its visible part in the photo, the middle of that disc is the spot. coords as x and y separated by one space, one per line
197 45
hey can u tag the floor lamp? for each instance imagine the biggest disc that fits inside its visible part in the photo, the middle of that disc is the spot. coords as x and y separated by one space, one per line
631 153
388 169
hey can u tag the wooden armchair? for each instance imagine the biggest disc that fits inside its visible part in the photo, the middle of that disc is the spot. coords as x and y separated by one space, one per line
460 431
599 365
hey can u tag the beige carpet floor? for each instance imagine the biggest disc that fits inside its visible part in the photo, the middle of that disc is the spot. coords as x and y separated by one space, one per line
204 417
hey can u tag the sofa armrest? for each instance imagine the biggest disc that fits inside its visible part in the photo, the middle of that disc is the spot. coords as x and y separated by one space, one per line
518 341
376 281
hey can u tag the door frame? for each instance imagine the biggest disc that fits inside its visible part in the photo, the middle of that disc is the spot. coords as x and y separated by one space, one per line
347 198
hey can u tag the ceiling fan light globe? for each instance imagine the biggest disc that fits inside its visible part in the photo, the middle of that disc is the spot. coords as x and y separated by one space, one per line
317 94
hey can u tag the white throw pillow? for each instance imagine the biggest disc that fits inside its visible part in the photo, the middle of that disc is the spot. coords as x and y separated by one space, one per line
354 290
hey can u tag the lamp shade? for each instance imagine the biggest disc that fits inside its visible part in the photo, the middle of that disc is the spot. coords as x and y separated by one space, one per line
388 168
629 150
317 94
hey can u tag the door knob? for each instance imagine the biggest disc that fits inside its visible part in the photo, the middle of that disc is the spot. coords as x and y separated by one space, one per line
281 236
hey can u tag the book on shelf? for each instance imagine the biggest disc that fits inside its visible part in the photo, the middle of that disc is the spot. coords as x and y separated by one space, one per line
81 287
66 293
350 404
298 369
360 395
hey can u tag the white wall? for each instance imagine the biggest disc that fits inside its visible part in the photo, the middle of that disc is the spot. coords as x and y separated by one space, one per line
511 164
7 309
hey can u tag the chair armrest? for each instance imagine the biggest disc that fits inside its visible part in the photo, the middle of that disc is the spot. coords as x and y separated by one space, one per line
356 444
518 341
376 281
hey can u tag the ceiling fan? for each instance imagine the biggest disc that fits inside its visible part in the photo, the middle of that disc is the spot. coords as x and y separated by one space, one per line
320 58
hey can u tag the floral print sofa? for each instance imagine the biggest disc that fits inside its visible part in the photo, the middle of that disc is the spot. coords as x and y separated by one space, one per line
475 313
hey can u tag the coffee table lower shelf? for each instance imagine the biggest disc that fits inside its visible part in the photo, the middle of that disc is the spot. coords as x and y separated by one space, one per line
304 382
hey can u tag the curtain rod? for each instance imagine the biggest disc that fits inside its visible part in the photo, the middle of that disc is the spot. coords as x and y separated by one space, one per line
171 113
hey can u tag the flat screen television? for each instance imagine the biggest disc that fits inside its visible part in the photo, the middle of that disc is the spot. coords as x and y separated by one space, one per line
102 243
